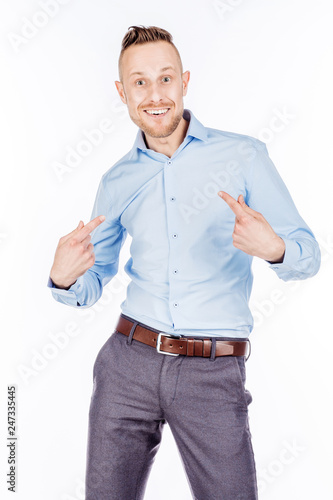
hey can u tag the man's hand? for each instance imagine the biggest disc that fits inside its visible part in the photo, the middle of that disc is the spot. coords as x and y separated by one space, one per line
252 233
74 254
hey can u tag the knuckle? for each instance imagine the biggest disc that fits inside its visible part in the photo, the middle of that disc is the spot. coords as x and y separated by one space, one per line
89 250
81 249
72 242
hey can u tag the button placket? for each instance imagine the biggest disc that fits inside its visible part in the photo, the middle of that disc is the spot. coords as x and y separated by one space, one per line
172 223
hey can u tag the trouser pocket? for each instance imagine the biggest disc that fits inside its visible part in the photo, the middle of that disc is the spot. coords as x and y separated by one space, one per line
240 373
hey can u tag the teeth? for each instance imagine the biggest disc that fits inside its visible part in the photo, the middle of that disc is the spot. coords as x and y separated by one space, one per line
156 111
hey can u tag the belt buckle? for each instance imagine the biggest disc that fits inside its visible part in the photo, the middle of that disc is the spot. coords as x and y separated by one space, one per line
158 342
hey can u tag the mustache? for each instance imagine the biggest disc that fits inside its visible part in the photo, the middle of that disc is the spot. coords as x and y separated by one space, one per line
155 107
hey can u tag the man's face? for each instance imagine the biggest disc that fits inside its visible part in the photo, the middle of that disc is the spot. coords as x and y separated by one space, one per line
160 85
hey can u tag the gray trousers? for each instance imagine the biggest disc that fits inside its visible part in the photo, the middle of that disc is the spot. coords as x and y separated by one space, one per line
136 391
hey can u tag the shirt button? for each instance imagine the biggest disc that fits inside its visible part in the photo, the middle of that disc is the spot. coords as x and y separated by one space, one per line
172 198
175 271
169 162
175 235
175 304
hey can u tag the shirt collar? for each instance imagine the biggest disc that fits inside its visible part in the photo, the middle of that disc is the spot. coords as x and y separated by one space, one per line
195 129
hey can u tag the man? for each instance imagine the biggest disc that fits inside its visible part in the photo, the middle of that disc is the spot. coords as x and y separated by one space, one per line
199 203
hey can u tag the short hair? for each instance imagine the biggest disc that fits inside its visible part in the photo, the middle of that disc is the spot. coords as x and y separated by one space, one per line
145 34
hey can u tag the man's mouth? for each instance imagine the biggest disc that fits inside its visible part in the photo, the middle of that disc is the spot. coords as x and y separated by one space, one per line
155 113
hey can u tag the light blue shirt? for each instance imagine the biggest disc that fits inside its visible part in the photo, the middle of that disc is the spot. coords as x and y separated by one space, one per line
186 275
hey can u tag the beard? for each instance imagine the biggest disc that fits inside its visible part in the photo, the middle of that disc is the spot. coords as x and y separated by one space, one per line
158 131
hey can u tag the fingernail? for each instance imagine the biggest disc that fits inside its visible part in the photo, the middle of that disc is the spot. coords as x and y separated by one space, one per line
102 217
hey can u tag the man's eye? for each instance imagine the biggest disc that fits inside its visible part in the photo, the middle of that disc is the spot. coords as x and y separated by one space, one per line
138 81
166 77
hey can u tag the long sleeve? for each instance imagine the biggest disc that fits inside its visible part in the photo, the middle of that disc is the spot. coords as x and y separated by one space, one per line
107 238
268 195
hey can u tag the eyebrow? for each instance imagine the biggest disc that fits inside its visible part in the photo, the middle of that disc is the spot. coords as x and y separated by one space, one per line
161 71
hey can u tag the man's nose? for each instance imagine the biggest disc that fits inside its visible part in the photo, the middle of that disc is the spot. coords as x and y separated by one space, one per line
155 92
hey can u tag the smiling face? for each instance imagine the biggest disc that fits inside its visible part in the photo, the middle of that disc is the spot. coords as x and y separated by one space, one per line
152 80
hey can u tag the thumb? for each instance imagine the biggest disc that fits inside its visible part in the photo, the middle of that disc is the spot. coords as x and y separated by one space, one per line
246 207
241 200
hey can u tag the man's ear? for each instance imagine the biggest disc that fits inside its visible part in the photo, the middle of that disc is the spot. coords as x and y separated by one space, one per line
186 79
121 91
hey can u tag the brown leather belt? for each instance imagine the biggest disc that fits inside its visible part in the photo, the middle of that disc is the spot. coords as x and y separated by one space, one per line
172 345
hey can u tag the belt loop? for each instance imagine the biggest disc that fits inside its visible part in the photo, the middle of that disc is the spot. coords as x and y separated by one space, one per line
131 333
213 350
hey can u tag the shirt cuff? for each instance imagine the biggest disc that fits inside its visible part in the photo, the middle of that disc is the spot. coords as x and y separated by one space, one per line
291 257
71 294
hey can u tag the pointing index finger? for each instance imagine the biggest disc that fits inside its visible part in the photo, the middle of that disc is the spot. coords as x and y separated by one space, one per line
88 228
233 204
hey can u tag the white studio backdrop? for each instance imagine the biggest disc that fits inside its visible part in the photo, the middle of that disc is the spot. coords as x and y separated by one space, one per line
261 68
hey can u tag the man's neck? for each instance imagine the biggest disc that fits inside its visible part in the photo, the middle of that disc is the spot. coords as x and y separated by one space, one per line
168 145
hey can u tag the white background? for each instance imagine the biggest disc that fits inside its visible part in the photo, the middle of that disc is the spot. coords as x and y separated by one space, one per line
249 60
